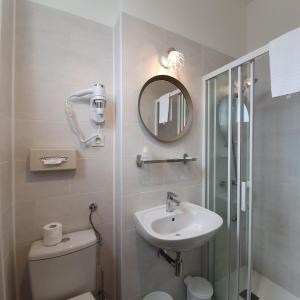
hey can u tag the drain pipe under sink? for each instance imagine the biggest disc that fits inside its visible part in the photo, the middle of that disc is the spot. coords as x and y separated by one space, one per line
175 263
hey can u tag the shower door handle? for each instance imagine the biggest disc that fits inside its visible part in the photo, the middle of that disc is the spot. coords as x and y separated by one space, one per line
244 196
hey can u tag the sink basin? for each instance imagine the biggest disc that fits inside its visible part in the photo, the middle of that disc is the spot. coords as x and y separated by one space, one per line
188 227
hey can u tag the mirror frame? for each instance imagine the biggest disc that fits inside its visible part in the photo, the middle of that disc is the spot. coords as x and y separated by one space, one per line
188 100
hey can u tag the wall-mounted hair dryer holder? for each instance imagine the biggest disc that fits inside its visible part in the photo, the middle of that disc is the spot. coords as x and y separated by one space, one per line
97 101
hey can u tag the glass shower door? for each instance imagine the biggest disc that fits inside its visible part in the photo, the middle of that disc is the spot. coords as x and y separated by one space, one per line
229 134
245 179
217 167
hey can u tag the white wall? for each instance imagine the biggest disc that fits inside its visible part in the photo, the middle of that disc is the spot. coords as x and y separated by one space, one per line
233 27
219 24
268 19
101 11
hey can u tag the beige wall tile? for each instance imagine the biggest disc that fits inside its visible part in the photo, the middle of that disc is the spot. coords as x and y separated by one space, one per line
92 175
212 60
136 137
56 55
31 184
5 138
5 187
1 275
140 201
51 64
6 227
10 277
57 134
149 178
276 176
143 44
7 238
52 79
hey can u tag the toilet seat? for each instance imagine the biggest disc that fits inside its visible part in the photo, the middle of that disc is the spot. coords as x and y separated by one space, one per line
158 296
85 296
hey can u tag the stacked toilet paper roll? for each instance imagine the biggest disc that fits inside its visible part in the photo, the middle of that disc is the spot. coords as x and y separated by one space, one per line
52 234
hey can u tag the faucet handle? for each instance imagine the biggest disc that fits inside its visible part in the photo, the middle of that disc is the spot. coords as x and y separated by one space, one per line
172 202
172 195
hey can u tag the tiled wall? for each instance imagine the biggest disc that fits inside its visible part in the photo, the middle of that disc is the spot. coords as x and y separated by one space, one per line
56 55
142 45
276 212
118 148
6 210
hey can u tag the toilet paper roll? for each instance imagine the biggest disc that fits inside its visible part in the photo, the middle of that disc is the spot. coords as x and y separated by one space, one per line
52 234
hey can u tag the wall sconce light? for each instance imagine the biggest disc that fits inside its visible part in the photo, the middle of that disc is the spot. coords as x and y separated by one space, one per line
174 62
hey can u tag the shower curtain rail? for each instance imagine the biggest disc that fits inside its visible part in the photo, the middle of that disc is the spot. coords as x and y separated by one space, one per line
240 61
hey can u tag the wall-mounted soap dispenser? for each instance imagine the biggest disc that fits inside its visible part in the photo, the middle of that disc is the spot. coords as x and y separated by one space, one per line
97 99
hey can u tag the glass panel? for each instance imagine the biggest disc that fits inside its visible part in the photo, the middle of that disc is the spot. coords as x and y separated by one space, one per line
245 177
217 99
239 227
234 173
276 201
276 224
228 253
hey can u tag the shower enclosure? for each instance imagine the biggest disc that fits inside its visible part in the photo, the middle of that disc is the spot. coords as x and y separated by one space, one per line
248 156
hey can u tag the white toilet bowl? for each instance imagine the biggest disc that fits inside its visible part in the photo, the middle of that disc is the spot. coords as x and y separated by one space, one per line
198 288
85 296
158 296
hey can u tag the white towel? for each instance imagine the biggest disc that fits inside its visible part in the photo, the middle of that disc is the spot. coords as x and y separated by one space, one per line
285 64
164 107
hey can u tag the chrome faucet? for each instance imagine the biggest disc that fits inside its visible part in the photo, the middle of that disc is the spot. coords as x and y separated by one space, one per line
172 202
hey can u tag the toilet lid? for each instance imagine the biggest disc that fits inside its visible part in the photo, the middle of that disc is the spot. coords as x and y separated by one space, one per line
85 296
200 288
158 296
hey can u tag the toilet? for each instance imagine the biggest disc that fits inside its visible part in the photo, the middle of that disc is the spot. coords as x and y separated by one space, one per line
158 296
64 271
198 288
85 296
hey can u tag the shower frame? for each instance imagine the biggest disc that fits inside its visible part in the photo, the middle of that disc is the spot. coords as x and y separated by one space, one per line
236 64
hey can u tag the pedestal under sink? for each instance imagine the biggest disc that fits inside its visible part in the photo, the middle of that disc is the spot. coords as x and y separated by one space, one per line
188 227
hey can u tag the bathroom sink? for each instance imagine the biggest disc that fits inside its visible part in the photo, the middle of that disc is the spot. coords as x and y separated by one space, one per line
188 227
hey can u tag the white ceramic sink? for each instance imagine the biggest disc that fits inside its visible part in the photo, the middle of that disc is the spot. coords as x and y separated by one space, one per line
188 227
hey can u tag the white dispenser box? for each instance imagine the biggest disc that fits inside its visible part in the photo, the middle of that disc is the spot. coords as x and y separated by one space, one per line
52 159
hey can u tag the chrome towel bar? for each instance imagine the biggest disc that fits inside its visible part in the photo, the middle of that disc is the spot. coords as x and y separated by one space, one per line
140 161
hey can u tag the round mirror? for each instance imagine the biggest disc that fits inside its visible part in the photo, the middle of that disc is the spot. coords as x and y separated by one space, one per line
165 108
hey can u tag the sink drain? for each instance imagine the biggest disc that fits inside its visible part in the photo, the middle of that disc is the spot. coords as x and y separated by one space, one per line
177 234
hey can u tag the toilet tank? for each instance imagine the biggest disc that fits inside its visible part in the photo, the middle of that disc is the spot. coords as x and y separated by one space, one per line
65 270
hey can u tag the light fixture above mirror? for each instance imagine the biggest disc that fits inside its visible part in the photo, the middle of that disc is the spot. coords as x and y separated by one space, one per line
174 62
